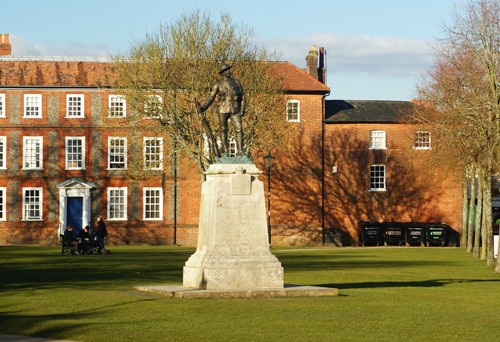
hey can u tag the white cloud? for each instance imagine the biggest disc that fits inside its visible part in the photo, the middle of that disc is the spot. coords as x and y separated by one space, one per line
358 54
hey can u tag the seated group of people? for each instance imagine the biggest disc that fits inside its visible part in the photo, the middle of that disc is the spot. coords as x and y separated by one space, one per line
85 241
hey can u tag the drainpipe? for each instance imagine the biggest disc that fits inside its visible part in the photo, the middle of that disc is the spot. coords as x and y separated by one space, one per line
323 105
322 79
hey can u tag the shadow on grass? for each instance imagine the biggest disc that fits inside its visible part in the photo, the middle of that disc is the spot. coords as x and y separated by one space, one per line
60 326
394 284
339 262
44 268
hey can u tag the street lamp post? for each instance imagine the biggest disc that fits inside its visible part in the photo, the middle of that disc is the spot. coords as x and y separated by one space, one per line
269 160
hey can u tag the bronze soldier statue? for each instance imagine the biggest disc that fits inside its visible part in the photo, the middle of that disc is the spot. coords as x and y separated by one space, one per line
231 105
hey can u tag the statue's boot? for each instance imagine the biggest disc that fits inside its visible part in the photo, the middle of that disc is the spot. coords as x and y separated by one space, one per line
239 145
225 143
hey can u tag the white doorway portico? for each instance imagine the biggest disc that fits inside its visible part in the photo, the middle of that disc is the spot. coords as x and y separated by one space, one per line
74 204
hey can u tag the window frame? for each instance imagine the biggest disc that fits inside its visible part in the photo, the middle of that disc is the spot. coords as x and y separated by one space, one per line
145 204
375 140
26 156
117 154
375 179
39 204
287 116
3 202
111 212
114 101
419 141
147 105
68 153
3 152
70 107
146 153
39 106
3 104
233 148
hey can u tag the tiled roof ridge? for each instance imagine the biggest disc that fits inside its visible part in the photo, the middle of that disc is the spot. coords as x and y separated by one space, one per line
55 59
365 101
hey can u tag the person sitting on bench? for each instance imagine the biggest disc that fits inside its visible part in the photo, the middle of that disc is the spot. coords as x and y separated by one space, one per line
85 240
70 235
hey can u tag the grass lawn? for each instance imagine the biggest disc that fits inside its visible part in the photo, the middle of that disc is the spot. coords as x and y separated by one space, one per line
386 294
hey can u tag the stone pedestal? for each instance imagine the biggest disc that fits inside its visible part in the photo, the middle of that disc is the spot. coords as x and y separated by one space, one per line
233 248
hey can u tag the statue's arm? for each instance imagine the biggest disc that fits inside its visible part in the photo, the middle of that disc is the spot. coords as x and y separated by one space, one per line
243 101
243 104
211 98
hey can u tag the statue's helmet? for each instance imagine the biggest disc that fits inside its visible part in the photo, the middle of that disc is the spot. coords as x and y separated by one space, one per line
224 67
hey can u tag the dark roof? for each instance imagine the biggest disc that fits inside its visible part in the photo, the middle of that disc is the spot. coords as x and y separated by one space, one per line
360 111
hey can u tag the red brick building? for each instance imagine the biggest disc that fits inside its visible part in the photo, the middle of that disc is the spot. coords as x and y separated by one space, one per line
379 168
67 139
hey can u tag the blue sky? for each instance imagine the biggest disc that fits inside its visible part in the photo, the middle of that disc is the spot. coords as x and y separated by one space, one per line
376 49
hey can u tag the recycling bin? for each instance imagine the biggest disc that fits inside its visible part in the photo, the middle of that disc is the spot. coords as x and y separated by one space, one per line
393 233
415 234
371 234
436 234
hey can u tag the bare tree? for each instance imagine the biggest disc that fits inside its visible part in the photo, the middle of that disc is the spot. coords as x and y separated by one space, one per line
164 74
462 89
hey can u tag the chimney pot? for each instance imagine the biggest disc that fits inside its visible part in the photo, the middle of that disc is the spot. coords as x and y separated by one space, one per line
322 65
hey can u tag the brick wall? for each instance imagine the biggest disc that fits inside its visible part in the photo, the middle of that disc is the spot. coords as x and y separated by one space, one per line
96 127
417 188
296 179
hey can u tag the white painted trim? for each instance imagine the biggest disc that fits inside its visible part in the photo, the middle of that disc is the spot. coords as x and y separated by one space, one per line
74 189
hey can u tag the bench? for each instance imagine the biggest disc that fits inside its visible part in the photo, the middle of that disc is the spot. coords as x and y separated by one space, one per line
66 245
90 248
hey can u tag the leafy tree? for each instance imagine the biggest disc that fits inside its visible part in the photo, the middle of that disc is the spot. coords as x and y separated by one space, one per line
462 92
163 75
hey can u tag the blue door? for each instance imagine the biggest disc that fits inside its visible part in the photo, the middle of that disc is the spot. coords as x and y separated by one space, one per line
74 212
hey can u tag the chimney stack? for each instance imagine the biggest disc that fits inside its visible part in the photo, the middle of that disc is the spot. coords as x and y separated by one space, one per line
322 65
5 47
312 62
